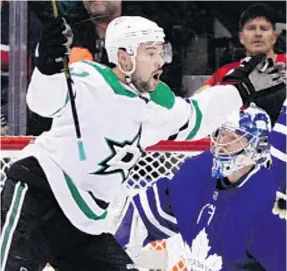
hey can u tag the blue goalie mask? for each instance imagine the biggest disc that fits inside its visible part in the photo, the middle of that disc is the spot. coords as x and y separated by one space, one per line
242 141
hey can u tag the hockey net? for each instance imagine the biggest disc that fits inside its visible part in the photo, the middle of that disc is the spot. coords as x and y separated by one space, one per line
160 160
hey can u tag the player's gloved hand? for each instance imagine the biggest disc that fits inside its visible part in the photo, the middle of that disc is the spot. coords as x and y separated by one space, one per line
257 78
55 42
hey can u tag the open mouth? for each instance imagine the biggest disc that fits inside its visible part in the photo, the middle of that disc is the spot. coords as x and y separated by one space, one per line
156 76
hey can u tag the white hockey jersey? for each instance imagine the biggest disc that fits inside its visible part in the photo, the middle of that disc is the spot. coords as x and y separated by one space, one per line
117 124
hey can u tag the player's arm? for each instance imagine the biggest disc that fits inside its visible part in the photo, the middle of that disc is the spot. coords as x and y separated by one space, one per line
209 109
146 217
267 235
202 88
215 78
211 81
47 92
48 96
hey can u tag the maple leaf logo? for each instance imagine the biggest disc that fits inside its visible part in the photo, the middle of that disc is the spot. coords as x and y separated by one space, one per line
195 257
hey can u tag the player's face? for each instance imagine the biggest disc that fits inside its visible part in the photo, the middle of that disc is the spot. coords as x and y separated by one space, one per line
258 36
101 8
149 63
229 142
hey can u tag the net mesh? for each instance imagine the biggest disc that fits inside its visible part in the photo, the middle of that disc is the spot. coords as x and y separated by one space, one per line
158 161
152 166
6 160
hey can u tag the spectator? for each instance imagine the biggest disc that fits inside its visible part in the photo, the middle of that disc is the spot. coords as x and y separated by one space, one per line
89 35
257 35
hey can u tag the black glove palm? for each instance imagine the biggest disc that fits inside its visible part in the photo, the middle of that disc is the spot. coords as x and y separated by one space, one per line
257 77
55 43
260 82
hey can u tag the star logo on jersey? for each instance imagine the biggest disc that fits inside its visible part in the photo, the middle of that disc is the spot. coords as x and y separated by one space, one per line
196 258
122 158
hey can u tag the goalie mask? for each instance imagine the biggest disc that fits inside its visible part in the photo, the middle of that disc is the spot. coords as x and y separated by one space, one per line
128 32
242 141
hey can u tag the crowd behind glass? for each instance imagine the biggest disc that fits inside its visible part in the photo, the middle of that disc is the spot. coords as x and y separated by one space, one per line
203 35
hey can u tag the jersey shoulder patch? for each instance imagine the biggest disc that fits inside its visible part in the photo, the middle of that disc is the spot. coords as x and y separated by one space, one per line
110 78
163 96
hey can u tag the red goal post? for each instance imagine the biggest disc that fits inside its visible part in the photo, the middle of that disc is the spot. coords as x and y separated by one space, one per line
159 160
19 142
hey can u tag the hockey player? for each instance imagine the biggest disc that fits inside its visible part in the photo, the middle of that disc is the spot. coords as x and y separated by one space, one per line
55 205
227 221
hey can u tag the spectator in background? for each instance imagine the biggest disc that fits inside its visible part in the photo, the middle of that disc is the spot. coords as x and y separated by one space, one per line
257 35
89 35
4 65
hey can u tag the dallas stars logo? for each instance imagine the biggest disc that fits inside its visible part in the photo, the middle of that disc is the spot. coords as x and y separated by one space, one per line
122 158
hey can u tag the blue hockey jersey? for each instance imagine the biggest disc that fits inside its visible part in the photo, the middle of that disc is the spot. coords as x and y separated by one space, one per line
224 227
278 140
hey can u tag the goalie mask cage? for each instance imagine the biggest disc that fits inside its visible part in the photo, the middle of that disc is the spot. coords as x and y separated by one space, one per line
162 159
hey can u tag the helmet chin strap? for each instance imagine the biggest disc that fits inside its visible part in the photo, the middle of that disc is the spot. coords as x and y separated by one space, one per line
128 74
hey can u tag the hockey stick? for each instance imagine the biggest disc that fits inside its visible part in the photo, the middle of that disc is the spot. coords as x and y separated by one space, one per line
82 153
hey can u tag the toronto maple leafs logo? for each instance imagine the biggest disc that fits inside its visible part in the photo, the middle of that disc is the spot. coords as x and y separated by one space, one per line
198 259
122 158
195 257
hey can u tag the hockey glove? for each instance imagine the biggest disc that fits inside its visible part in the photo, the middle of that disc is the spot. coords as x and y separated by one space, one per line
257 78
55 42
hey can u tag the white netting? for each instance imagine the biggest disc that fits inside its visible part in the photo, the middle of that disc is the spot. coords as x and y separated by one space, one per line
153 165
161 160
7 157
150 167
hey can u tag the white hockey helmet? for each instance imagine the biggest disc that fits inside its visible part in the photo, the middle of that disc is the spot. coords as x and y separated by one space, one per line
252 123
129 32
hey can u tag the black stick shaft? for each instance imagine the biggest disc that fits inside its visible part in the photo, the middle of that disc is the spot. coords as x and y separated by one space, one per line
72 98
69 80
